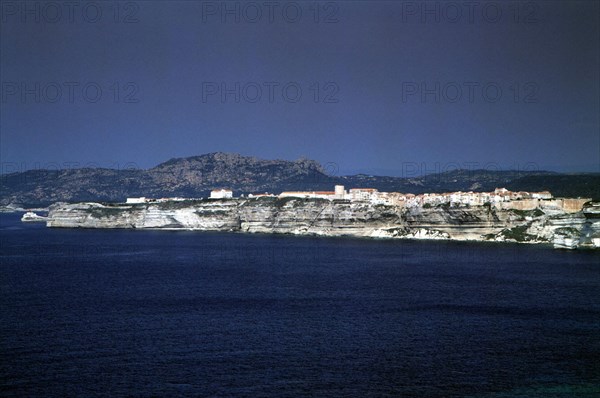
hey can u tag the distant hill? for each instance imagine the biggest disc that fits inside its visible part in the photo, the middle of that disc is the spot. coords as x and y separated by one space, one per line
451 181
568 185
196 176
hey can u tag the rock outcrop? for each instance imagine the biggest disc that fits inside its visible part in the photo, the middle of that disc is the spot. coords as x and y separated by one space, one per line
336 218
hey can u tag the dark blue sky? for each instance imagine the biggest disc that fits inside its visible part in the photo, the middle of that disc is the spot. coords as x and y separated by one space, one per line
384 85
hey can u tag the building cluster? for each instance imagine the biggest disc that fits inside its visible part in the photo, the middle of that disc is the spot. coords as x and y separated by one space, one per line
500 198
374 196
499 195
354 194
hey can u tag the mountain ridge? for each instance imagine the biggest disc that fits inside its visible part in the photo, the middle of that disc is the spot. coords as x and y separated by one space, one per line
195 176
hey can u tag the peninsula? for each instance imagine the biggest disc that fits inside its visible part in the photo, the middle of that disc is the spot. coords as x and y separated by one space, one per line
499 215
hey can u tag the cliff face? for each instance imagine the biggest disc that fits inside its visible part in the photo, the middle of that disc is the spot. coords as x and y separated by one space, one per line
330 218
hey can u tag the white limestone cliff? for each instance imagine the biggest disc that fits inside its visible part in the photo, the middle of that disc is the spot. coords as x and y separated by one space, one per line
337 218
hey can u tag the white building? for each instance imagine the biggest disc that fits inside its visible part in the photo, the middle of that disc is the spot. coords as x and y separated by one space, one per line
541 195
136 200
221 194
340 193
362 194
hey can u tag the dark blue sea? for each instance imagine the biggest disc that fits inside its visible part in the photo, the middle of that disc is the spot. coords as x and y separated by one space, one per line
159 313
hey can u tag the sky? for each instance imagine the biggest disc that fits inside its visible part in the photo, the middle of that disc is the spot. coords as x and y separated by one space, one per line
379 87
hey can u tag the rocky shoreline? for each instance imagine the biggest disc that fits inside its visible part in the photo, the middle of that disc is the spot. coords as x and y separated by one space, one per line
339 218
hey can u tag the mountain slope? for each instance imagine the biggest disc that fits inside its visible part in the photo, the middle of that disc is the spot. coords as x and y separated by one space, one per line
189 177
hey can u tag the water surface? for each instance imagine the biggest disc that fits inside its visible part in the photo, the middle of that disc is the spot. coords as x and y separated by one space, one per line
158 313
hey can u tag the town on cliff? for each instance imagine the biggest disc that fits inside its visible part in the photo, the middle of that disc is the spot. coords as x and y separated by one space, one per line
501 198
500 215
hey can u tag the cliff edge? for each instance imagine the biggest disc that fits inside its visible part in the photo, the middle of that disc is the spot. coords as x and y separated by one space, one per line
339 218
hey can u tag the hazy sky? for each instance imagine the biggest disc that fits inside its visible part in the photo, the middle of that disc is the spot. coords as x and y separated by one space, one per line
370 86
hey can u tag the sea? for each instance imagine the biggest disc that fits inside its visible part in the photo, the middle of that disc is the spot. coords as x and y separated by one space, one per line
145 313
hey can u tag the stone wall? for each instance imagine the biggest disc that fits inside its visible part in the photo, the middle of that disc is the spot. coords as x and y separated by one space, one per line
574 205
524 204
